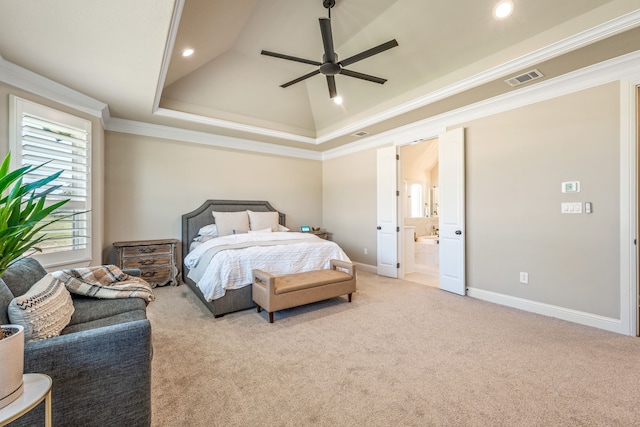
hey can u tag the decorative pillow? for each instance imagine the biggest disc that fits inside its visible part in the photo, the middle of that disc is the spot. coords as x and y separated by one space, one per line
282 228
209 230
231 222
203 239
262 220
44 310
266 230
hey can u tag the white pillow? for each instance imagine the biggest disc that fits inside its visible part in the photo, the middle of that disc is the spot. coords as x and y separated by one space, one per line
231 222
282 228
44 310
266 230
262 220
209 230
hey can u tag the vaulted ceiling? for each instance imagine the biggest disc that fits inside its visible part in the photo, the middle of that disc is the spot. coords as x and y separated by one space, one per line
128 54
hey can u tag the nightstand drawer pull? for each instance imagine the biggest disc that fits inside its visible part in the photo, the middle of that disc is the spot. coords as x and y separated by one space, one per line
148 249
147 261
148 273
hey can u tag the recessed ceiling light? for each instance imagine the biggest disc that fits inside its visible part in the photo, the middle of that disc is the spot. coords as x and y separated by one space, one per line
337 100
187 52
503 9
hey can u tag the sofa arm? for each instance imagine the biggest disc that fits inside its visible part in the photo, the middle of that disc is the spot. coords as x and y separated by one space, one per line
132 271
100 376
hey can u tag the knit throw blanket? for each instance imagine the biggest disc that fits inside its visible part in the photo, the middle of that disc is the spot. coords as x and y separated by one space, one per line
105 281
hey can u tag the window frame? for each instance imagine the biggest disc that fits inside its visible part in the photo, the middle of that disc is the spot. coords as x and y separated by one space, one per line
19 106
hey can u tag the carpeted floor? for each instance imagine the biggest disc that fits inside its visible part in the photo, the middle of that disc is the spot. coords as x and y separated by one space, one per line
401 354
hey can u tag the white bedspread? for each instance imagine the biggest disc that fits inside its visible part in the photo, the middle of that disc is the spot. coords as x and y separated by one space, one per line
231 268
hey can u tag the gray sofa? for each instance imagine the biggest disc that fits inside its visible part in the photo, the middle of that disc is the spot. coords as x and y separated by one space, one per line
100 364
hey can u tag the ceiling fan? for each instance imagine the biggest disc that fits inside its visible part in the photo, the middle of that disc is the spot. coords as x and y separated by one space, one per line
330 66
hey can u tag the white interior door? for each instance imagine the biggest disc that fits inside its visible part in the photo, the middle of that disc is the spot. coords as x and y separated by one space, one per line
451 211
387 213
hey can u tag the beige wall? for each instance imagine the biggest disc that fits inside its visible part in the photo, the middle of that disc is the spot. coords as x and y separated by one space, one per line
150 183
515 164
97 156
349 203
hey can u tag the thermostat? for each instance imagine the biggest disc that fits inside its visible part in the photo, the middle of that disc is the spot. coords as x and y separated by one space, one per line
305 228
571 187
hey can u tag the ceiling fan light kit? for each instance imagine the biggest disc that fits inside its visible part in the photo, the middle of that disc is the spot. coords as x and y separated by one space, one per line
330 66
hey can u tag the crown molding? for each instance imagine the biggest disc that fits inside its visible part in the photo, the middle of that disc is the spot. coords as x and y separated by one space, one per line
177 134
168 49
626 67
196 118
576 41
29 81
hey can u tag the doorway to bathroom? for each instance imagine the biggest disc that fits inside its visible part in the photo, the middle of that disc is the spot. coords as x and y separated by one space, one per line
419 205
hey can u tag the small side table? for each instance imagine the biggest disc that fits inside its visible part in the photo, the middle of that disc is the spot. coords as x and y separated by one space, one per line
36 388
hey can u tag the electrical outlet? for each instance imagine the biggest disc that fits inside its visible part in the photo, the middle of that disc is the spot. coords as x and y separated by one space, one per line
366 251
524 277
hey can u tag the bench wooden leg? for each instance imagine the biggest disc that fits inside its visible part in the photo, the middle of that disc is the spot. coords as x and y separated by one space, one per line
349 297
258 308
271 317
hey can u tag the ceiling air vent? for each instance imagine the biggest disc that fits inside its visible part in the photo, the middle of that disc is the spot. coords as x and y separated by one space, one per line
523 78
360 134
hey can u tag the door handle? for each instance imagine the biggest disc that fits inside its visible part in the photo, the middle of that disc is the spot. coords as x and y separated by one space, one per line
379 228
458 232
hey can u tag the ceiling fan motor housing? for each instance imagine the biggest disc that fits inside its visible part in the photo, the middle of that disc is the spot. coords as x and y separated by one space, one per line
330 67
328 3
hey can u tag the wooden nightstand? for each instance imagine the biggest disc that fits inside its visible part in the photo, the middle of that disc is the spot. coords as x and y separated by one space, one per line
323 234
156 259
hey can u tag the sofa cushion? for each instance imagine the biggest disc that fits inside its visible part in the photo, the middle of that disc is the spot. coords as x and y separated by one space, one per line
44 310
22 274
5 298
88 309
309 279
129 316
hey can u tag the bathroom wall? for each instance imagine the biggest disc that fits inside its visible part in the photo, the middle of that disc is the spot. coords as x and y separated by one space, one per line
424 226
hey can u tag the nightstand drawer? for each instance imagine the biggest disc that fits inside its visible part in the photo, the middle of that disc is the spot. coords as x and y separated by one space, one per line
155 261
157 275
134 251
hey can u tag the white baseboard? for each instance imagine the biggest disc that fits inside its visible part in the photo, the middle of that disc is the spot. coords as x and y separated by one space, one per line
366 267
583 318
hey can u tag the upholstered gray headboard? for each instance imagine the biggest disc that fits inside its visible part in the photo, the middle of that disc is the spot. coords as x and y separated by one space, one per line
193 221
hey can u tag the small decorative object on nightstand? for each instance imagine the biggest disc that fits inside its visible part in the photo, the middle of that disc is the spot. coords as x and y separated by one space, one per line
156 259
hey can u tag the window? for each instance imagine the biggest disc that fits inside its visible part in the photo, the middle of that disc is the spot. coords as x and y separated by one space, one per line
416 200
40 134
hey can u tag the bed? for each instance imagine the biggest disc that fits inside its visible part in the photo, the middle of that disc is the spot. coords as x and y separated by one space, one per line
223 281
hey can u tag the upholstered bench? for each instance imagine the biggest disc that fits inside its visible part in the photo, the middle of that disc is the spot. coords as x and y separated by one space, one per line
275 293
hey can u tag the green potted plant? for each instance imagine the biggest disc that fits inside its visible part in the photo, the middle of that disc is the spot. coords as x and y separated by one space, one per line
23 214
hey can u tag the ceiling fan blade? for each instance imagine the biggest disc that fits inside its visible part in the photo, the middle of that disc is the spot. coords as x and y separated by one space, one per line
299 79
362 76
290 58
369 52
327 39
331 82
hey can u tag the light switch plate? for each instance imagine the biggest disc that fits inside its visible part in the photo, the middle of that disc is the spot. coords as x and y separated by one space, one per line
571 207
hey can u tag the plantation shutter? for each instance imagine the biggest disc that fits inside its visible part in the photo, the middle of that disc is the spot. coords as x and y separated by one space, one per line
63 141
